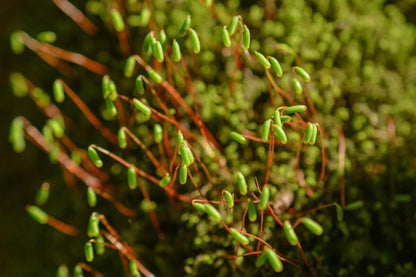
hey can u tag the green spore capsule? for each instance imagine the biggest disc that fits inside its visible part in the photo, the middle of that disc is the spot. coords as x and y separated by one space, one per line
122 139
239 237
252 213
41 97
105 86
117 19
196 45
295 109
91 197
147 43
63 271
232 27
37 214
179 138
302 73
276 66
133 268
261 260
199 206
308 133
262 59
89 252
129 66
280 133
162 38
354 206
165 181
111 108
56 126
131 178
314 134
16 43
78 272
290 234
312 226
99 245
276 117
155 76
158 133
225 37
140 85
93 229
186 154
158 51
264 199
274 260
17 135
183 174
18 84
42 195
238 138
94 157
229 199
112 90
176 51
340 212
141 107
213 212
185 26
58 91
241 183
246 37
46 36
285 118
297 86
265 130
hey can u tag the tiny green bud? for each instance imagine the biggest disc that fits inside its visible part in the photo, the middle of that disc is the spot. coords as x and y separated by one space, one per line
99 245
264 199
241 183
16 43
262 59
185 26
295 109
91 197
179 138
238 138
155 76
290 233
261 259
196 45
141 107
354 206
17 135
314 134
117 20
276 117
198 206
94 157
158 51
252 213
297 86
58 91
176 51
280 133
165 181
37 214
131 177
213 212
129 66
133 268
246 38
111 108
265 130
18 84
239 236
285 118
122 139
78 271
340 212
89 251
93 229
232 27
226 37
302 73
62 271
43 194
56 126
274 260
312 226
183 174
46 36
186 154
229 199
158 133
276 66
308 134
140 85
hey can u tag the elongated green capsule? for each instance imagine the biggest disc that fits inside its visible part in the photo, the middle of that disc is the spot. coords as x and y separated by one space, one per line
277 119
262 59
185 26
285 118
312 226
155 76
37 214
183 174
162 38
56 126
238 236
99 245
112 90
158 133
78 271
141 107
18 84
43 194
58 91
290 234
63 271
133 268
117 19
276 66
105 86
264 199
233 25
229 199
265 130
176 51
302 73
16 43
165 181
111 108
241 183
213 212
147 45
186 154
274 260
198 206
225 37
252 213
131 178
17 136
196 45
314 134
93 229
91 197
140 85
129 66
94 157
41 97
354 205
238 138
297 86
89 251
122 139
295 109
179 138
46 36
340 212
246 38
278 130
158 51
308 133
261 259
